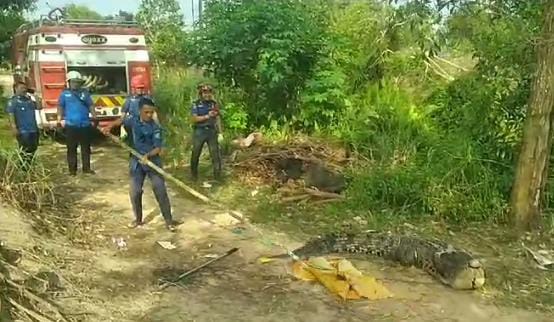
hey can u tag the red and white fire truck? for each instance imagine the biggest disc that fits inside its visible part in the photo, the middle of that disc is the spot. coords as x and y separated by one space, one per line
106 53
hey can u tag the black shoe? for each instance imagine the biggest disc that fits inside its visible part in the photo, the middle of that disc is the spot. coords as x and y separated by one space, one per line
72 173
136 224
171 227
176 222
89 171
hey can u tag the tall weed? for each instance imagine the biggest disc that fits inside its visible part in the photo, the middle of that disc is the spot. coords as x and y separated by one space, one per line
175 91
415 169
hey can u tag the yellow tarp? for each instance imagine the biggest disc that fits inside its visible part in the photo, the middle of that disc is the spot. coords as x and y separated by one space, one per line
341 278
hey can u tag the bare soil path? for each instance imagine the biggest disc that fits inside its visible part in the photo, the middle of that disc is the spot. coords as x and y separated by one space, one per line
105 283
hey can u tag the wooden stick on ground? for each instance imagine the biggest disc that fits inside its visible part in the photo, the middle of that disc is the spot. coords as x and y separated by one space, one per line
33 314
197 268
296 198
323 194
31 296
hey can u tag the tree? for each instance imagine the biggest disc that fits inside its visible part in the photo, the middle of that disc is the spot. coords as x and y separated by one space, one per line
11 17
74 11
532 166
122 16
126 16
163 24
16 5
267 48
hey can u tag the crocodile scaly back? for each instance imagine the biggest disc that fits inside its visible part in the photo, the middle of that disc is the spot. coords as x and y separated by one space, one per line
453 267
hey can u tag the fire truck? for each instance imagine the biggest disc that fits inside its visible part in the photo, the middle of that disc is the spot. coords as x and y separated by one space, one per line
106 53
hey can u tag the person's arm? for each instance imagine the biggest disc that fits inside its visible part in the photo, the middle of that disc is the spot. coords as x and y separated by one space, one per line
195 117
218 122
199 119
124 112
61 108
10 109
90 105
157 143
38 105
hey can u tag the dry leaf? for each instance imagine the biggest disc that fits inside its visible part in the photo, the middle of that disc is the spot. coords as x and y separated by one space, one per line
346 269
370 288
320 263
331 282
264 260
167 245
341 278
300 272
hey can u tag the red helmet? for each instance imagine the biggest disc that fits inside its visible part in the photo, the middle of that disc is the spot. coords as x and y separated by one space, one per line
137 82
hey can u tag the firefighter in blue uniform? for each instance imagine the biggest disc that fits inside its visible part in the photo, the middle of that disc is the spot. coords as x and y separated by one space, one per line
21 108
75 107
131 106
207 129
147 140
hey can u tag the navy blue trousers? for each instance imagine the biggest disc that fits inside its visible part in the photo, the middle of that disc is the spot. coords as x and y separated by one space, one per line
138 174
28 144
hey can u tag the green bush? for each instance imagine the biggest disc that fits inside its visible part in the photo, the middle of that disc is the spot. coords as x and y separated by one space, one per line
415 168
175 91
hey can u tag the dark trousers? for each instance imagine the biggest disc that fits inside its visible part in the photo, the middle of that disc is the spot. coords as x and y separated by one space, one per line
76 136
138 174
28 145
200 136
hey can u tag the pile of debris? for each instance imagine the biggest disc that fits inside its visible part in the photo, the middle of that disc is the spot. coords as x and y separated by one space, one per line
25 297
302 169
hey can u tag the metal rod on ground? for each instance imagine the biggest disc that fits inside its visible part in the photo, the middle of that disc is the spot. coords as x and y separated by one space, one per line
197 268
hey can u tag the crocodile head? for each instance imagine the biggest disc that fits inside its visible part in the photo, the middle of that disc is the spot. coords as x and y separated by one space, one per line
467 277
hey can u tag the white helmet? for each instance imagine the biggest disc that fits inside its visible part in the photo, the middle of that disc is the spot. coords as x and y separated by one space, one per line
74 75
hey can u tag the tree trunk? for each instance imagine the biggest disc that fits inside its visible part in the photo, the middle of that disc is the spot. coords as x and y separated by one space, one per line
530 178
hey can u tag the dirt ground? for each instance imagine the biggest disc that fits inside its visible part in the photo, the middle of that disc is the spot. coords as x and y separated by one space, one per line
105 283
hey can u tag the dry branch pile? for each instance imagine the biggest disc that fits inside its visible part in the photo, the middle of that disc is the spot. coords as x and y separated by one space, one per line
26 299
32 193
24 189
304 169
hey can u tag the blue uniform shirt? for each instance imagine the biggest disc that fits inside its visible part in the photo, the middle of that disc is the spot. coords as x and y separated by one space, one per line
23 109
131 104
146 137
76 107
201 108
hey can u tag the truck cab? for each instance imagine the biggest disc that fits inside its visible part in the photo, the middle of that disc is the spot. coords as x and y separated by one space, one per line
106 53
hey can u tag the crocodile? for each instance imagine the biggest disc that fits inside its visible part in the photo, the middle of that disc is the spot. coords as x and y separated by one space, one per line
453 267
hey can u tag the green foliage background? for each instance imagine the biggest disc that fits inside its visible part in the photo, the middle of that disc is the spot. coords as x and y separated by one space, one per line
432 94
434 102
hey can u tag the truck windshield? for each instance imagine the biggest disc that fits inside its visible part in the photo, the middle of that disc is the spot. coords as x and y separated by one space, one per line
103 80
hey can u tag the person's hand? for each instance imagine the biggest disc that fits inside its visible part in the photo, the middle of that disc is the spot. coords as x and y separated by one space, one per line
212 113
144 159
220 137
59 124
106 130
